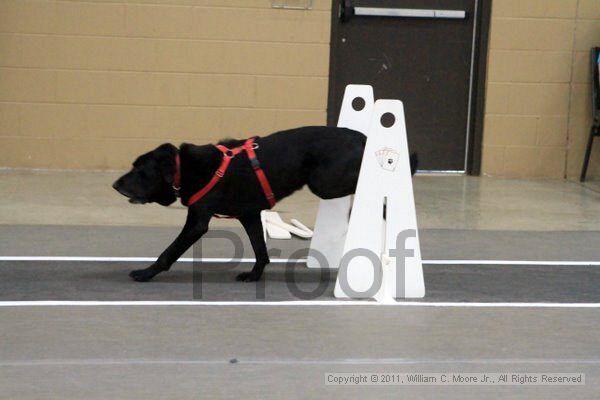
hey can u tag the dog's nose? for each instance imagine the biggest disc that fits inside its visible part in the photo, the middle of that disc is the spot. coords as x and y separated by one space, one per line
118 185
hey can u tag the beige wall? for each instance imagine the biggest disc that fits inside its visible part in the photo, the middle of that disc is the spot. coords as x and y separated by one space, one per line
538 91
91 84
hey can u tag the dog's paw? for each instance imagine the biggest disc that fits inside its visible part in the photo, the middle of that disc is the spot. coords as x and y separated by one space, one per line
143 275
247 277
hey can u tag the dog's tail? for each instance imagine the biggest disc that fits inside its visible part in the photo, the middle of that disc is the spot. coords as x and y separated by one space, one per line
414 163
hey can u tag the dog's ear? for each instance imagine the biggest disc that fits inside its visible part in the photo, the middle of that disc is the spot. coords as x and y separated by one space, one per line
166 154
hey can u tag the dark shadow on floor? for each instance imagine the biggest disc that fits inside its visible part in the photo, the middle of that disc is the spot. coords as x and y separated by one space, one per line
105 281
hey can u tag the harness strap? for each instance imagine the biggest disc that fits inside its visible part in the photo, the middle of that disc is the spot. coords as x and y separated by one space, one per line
213 181
260 174
228 155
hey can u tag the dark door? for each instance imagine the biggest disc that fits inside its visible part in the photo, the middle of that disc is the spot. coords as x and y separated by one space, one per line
420 53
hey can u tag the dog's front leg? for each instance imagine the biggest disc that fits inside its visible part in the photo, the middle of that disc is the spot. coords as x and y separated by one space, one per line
195 226
253 226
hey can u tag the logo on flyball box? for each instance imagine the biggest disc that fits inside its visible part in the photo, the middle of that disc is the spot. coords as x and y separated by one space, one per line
387 158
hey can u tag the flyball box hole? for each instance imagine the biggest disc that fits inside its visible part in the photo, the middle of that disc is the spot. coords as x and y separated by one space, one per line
358 103
387 120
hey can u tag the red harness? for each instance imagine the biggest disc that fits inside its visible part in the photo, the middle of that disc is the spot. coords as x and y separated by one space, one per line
249 146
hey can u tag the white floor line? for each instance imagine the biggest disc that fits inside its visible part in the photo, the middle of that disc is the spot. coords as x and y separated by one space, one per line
69 303
143 259
298 261
513 262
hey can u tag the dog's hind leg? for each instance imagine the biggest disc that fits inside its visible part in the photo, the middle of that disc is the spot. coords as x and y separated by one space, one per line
195 226
330 183
253 226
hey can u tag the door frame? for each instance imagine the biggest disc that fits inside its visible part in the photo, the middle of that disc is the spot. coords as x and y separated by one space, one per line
476 110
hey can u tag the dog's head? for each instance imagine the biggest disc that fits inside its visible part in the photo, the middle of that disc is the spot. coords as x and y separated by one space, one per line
151 178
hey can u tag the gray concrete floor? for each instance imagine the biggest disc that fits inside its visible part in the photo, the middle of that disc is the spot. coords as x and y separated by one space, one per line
453 202
186 352
436 244
178 352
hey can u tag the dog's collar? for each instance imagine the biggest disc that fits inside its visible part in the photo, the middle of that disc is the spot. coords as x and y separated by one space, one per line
177 175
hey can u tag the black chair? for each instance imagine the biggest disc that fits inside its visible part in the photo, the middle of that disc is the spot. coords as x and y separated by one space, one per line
595 130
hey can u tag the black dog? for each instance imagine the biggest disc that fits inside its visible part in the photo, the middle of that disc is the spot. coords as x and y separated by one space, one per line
326 159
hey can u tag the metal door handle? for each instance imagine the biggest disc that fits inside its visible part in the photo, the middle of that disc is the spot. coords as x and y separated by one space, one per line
409 13
347 10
